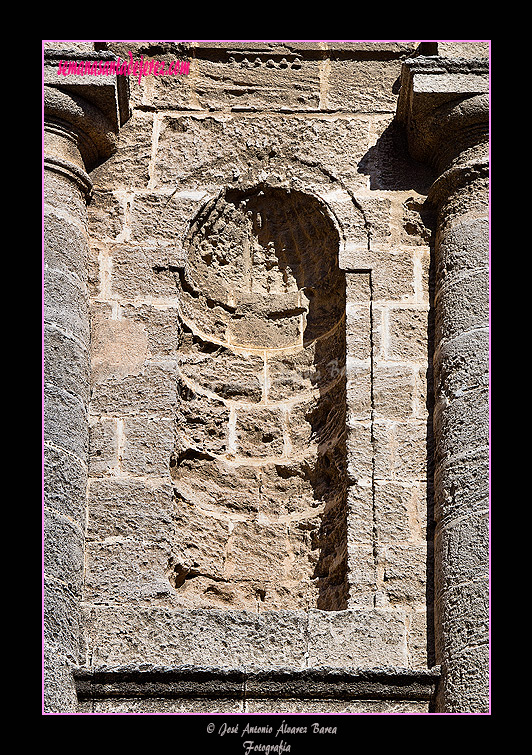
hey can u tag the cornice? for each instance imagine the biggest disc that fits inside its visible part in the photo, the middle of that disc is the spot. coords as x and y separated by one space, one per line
146 681
444 107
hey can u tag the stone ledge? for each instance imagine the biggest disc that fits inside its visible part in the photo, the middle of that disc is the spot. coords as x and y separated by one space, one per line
145 681
176 637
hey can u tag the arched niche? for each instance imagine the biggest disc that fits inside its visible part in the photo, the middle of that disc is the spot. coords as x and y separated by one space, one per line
259 467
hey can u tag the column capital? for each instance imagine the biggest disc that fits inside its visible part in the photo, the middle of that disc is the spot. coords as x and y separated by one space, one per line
107 92
444 106
83 114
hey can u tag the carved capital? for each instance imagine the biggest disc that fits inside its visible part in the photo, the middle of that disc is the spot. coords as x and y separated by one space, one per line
444 106
82 115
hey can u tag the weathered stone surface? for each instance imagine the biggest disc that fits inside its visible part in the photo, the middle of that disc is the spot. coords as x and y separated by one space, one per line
255 552
104 443
462 245
140 272
360 504
464 422
65 419
401 450
129 167
107 215
459 689
467 534
358 390
66 564
215 484
64 484
60 348
160 217
407 335
197 151
359 450
119 348
152 390
159 323
356 637
360 85
156 706
66 302
462 484
447 121
202 420
255 81
394 390
64 231
123 507
463 303
60 694
147 445
232 376
464 49
66 376
362 575
420 638
404 572
62 630
259 433
121 635
65 200
400 512
462 363
334 707
122 570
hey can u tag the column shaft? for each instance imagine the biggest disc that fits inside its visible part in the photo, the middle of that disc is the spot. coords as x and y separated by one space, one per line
444 107
82 116
461 427
66 394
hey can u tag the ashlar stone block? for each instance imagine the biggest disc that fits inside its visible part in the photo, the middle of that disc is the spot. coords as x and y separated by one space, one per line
357 637
122 634
147 445
231 376
202 420
123 570
125 507
216 485
259 433
200 545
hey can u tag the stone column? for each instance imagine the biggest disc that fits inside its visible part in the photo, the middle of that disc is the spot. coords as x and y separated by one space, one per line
444 106
82 115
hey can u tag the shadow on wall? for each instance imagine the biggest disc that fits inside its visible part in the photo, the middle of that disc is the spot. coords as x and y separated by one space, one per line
296 228
262 277
391 168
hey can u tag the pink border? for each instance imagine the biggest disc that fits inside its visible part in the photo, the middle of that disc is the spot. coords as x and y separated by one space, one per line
323 741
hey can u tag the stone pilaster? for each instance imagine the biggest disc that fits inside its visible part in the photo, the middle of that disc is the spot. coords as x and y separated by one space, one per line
444 107
82 115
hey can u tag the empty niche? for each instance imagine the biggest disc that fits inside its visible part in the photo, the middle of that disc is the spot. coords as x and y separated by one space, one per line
259 468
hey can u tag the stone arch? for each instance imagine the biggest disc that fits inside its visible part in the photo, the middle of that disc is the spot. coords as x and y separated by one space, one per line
259 468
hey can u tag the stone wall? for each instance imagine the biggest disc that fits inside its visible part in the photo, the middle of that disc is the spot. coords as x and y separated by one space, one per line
260 472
